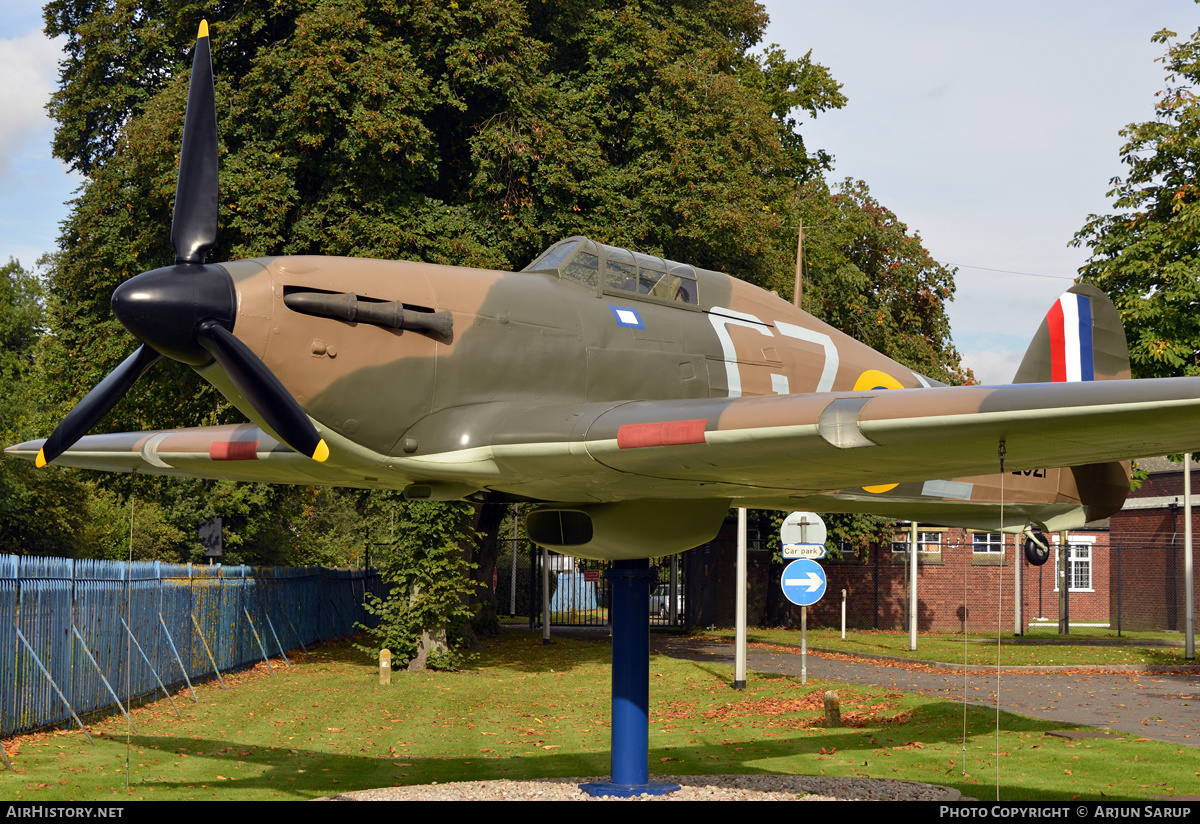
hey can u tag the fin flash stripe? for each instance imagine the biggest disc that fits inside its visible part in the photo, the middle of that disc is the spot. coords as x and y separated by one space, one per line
636 435
1070 320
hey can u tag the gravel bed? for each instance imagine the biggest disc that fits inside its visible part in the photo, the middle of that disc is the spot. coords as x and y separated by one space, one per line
694 788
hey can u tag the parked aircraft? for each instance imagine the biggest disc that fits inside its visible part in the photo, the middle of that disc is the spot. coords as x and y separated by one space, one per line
633 399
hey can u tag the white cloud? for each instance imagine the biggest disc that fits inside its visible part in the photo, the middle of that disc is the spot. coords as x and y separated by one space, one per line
994 366
28 66
990 129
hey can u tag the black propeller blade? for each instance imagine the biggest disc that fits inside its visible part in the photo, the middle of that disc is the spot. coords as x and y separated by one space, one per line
187 311
262 389
194 223
96 404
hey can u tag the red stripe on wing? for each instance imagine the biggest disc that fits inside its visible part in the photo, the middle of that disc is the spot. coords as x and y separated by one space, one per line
233 450
635 435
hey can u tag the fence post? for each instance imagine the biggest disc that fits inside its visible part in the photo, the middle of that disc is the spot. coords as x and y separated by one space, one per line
182 668
153 671
62 697
100 672
271 626
258 640
209 651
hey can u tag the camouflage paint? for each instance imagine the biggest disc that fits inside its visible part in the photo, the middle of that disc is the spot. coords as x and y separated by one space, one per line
548 390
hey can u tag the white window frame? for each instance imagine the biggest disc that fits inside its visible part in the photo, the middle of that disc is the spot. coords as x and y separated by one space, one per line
929 542
1077 546
989 546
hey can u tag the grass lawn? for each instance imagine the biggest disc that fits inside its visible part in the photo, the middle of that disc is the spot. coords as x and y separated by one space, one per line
1040 649
525 710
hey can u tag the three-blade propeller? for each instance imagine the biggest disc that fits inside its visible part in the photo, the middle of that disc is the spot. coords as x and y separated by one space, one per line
187 311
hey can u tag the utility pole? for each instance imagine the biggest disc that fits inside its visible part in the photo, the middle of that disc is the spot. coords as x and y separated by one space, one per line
798 284
1189 643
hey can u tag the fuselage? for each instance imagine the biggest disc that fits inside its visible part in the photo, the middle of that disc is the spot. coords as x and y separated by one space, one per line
560 335
530 337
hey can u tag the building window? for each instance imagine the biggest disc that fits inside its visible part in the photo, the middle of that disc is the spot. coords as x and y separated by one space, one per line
754 541
987 542
926 542
1079 567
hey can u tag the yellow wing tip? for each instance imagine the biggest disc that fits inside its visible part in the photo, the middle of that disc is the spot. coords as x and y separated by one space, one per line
41 459
321 452
203 29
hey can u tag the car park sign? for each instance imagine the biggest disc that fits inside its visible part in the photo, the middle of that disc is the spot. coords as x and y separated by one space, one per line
803 582
814 551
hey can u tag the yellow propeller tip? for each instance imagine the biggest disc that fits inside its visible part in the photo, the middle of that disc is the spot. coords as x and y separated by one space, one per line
41 459
321 452
203 29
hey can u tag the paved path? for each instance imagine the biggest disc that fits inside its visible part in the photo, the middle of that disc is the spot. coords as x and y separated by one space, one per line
1160 705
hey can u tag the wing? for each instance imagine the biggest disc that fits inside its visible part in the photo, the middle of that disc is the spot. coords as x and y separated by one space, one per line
852 439
771 447
237 453
763 451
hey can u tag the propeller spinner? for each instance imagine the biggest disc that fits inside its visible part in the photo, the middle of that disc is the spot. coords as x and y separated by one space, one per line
187 311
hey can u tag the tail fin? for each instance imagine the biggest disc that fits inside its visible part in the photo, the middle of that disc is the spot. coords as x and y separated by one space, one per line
1080 339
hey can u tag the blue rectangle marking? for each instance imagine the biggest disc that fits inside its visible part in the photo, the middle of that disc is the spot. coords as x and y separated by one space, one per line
629 318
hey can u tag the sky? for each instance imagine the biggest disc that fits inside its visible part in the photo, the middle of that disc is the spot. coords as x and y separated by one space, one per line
992 130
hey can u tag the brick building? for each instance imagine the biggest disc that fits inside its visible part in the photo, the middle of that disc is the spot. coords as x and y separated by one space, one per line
1126 572
963 576
1147 536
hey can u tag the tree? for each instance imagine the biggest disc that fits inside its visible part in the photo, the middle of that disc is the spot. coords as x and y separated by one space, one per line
41 513
423 616
868 276
473 133
1146 255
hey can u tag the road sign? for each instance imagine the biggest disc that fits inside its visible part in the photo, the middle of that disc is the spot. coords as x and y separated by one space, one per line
802 528
803 582
814 551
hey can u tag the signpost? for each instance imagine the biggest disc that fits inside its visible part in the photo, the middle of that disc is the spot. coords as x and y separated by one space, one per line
802 528
803 536
803 584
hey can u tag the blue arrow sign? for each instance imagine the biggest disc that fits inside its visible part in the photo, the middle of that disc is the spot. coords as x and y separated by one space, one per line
803 582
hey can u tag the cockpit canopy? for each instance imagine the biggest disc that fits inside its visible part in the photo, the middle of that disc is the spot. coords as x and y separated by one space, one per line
619 271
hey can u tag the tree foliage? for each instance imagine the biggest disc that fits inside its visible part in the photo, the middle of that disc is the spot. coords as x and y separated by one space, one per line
40 512
1146 255
422 618
475 133
868 276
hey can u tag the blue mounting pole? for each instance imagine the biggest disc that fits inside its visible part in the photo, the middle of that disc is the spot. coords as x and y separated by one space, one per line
630 583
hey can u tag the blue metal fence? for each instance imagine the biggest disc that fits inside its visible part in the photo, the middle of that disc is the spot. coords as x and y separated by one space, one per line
73 616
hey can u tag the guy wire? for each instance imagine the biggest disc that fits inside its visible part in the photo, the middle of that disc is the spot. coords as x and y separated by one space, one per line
1000 614
128 650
